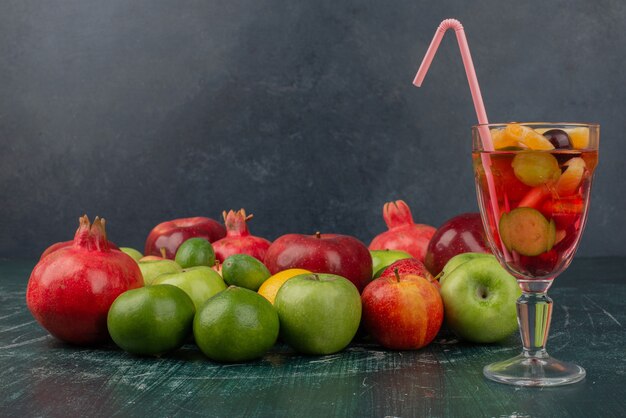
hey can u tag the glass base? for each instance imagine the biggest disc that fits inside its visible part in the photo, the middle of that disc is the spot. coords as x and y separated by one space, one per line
526 370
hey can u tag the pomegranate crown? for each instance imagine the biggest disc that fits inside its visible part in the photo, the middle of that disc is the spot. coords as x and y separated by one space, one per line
236 222
397 214
92 237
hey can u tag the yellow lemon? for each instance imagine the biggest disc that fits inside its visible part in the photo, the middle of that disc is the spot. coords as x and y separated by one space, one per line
270 287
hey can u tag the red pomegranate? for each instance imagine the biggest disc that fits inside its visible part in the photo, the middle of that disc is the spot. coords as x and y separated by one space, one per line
71 289
403 234
63 244
238 239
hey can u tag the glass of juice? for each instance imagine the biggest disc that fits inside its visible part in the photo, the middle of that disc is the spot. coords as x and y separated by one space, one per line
533 192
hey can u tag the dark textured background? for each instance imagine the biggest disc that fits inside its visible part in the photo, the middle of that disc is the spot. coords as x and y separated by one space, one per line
301 112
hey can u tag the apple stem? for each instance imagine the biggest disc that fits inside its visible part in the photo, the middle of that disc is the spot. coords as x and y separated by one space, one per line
436 278
397 274
318 235
316 277
249 217
163 252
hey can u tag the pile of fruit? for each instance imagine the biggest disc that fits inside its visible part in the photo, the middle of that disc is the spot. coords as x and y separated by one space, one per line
236 294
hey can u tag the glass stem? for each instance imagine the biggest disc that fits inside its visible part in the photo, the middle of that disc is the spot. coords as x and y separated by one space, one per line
534 312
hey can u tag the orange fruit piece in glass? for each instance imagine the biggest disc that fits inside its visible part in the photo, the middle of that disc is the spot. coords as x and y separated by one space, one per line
501 140
569 181
528 137
579 137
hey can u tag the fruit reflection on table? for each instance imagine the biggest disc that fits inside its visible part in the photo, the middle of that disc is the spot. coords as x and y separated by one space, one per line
325 289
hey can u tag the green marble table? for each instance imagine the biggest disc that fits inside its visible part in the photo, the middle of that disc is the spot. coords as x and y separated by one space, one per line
40 376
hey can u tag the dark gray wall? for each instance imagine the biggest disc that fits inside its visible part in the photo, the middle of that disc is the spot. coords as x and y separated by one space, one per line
301 112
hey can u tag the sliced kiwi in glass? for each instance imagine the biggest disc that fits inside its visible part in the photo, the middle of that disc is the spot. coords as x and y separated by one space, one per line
536 168
527 232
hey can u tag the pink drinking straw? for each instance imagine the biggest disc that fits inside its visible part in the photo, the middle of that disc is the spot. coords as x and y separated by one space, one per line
483 129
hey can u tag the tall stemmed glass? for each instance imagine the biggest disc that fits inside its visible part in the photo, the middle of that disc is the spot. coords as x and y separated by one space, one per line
533 191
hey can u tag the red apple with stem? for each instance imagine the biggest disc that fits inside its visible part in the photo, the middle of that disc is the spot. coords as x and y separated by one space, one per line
402 312
171 234
342 255
462 234
409 266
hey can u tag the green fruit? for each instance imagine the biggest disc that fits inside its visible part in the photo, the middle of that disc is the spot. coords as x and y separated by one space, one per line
236 325
536 168
479 300
457 260
319 313
195 252
381 259
133 253
152 269
527 232
151 320
200 283
244 271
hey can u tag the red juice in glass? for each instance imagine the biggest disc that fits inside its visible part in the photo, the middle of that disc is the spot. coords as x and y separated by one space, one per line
541 182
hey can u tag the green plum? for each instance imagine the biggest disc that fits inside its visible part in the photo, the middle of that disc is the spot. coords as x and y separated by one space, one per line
195 252
244 271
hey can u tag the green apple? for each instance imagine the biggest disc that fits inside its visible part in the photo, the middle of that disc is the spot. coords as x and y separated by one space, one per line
459 259
319 313
151 269
479 300
200 283
383 258
133 253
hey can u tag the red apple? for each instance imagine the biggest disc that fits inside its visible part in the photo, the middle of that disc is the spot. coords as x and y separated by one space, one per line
342 255
171 234
461 234
409 266
402 312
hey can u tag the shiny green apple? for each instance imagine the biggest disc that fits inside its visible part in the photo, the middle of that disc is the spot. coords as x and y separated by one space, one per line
151 269
459 259
319 313
479 300
383 258
200 283
133 253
